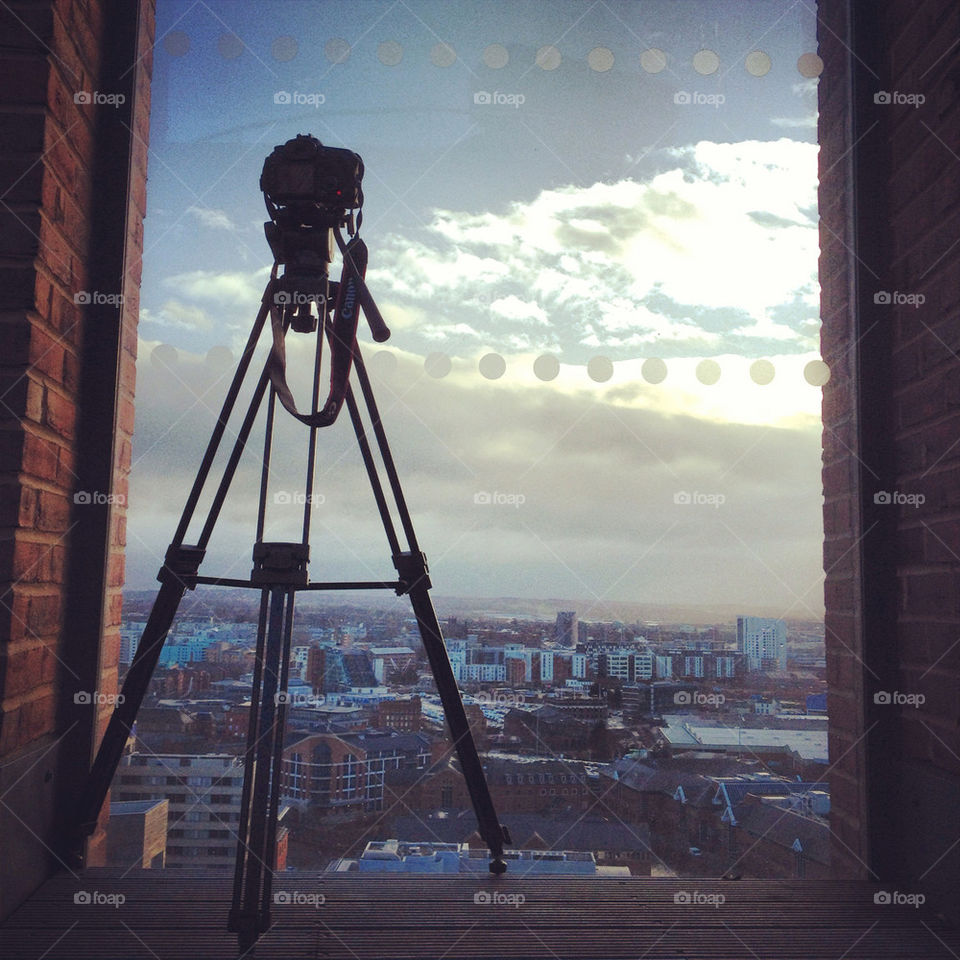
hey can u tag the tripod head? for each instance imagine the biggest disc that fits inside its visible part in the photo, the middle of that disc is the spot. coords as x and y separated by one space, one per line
309 190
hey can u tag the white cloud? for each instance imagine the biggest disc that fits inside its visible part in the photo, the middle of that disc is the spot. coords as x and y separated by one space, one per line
513 308
228 288
727 229
175 313
208 217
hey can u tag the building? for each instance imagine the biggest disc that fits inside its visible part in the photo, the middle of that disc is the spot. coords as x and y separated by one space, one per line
137 833
517 785
349 769
404 714
653 699
611 840
402 856
565 631
390 663
763 641
203 792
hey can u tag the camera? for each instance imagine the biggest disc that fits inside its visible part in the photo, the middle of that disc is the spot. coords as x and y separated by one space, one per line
304 175
309 189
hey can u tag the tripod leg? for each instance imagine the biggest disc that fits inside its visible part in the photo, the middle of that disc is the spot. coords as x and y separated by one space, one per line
181 561
250 913
492 831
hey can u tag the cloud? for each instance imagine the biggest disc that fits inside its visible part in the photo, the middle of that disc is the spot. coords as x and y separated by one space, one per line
175 313
598 467
225 288
215 219
727 227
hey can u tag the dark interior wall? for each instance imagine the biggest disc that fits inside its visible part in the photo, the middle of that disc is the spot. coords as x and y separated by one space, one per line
74 121
890 278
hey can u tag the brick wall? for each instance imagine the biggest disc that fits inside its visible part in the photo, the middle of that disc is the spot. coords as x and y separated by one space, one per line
890 278
69 248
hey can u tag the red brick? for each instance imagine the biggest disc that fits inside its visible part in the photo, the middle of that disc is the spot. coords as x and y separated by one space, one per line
60 414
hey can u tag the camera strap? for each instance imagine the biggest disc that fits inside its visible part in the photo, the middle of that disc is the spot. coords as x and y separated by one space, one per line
341 333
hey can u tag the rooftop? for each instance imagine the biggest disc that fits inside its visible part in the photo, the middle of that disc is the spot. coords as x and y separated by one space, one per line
164 917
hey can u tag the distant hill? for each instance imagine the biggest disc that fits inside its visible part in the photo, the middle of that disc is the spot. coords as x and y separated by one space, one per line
202 600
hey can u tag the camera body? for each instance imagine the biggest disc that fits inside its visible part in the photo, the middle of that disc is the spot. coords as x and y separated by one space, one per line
302 175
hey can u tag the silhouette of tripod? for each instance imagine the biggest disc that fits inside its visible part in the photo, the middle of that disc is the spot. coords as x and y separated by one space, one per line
309 190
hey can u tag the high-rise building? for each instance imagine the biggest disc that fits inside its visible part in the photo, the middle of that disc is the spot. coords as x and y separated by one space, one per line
762 639
566 629
204 803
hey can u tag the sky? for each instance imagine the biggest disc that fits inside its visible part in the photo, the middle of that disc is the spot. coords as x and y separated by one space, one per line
593 234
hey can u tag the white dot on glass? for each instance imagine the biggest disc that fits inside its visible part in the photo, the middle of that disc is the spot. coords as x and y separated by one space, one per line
548 58
229 46
390 53
816 373
383 363
600 369
176 43
492 366
443 55
219 357
164 355
337 50
810 65
654 370
284 49
496 56
653 60
708 372
437 365
600 59
757 63
762 372
706 62
546 367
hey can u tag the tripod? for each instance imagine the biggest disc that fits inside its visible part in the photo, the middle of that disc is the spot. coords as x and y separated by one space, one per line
280 568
